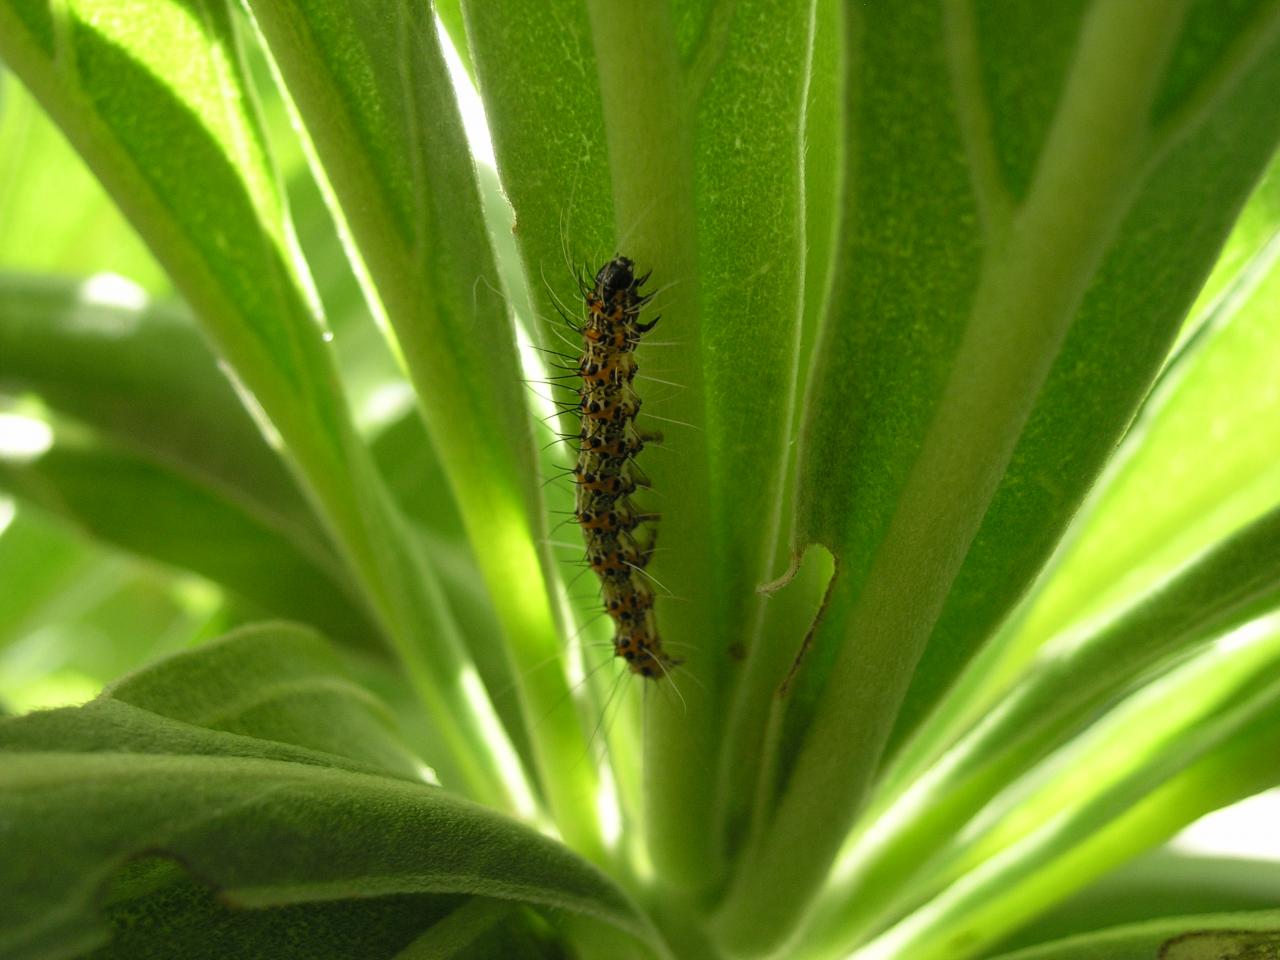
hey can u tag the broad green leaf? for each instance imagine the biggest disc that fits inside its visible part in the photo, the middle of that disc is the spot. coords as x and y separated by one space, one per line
106 725
1075 680
1223 936
149 92
975 374
156 911
371 84
262 737
56 216
141 506
81 816
274 682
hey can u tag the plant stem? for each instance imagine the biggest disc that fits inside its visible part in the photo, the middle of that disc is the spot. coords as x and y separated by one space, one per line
648 132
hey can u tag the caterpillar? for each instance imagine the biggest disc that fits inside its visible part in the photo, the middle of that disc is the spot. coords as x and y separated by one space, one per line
619 537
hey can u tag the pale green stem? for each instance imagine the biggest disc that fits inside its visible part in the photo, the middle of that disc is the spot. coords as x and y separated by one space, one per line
647 126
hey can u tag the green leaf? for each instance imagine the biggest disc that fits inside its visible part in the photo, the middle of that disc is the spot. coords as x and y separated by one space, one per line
975 372
1163 883
156 911
260 737
1227 936
38 561
1196 466
149 92
143 507
1076 680
186 476
1200 737
99 351
140 506
74 617
1152 511
274 682
80 816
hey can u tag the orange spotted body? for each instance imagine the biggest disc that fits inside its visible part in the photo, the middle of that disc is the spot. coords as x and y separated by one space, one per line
617 443
595 473
618 538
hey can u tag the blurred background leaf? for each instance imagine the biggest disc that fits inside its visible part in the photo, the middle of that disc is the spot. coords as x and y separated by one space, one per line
57 217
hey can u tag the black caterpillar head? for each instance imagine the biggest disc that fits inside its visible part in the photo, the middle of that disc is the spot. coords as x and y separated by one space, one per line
615 277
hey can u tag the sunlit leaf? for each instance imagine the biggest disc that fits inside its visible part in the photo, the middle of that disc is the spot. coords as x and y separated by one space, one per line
1015 263
1159 885
1075 681
1200 737
149 92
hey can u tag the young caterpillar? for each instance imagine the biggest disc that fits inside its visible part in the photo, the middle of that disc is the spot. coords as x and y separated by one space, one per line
608 444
